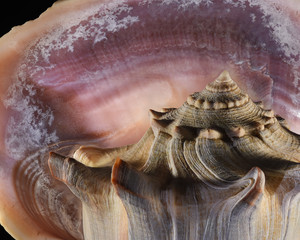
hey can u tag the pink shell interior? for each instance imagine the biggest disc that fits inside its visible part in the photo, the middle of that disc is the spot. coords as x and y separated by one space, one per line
89 71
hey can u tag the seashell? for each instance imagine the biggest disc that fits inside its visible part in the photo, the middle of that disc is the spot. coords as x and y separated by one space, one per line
78 81
194 177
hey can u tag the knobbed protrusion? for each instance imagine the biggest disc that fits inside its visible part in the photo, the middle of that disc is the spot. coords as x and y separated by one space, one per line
166 110
236 132
220 105
210 134
269 113
161 124
191 100
155 114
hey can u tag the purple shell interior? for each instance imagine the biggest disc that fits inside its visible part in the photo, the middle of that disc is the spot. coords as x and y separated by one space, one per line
94 76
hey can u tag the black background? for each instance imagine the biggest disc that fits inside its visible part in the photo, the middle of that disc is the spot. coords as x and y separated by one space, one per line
13 13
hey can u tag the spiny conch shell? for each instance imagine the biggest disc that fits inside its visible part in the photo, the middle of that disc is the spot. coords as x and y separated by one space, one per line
85 72
218 167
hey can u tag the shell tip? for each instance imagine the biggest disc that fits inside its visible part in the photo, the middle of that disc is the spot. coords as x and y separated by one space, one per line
223 83
224 77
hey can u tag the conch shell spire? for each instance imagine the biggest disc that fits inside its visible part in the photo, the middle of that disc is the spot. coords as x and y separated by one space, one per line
224 77
223 83
223 93
219 156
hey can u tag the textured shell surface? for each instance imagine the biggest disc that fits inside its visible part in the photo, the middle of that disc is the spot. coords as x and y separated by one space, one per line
198 171
219 163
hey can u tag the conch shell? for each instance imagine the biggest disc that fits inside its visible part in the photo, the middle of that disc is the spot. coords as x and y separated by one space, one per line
82 76
218 167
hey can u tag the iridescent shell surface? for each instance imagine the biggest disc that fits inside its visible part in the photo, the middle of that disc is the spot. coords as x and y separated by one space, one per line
78 82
